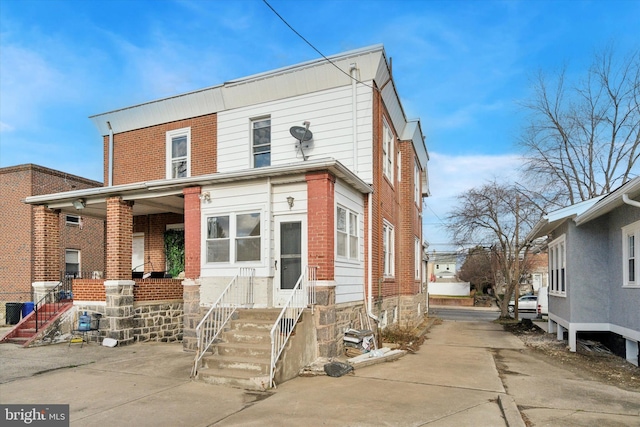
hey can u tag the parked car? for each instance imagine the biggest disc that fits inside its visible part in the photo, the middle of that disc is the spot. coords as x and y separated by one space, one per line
525 303
543 302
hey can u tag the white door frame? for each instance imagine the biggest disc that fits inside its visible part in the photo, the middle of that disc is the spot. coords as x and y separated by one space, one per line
280 296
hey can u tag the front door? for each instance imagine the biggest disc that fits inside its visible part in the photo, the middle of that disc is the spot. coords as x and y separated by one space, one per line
290 256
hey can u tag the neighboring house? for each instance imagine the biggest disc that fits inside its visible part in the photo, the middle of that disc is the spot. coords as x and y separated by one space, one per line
443 266
594 267
537 267
236 168
81 247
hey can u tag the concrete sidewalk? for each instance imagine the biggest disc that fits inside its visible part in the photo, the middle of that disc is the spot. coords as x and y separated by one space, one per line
457 378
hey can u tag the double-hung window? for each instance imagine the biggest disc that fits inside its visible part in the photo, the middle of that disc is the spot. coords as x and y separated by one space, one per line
261 142
178 153
347 233
557 266
234 238
418 258
416 184
388 239
387 151
631 255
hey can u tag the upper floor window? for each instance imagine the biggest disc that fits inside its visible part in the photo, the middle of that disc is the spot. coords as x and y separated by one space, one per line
233 238
416 184
179 153
557 266
388 259
261 142
387 151
418 258
631 254
347 233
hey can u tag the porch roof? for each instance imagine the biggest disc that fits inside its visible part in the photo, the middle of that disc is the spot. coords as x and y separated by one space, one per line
165 195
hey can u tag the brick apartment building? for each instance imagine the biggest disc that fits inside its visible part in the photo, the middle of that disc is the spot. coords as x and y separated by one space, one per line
81 239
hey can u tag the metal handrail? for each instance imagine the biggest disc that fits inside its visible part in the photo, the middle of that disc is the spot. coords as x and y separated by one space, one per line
55 298
302 295
238 293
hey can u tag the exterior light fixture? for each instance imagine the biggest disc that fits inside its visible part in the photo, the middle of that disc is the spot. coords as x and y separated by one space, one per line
79 204
206 196
290 201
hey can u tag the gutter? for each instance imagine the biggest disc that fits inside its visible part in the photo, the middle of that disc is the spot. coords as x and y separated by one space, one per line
370 259
627 200
110 181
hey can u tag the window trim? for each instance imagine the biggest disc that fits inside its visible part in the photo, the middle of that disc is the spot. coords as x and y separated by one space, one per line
170 135
252 122
388 151
79 254
631 230
76 223
558 267
233 238
417 196
388 249
349 234
418 259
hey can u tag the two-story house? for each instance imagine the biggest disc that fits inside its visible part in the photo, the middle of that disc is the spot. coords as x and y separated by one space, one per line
306 172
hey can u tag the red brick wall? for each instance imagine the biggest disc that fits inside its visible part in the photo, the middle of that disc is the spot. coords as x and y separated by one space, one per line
89 290
17 260
320 216
119 239
193 232
140 155
46 248
157 289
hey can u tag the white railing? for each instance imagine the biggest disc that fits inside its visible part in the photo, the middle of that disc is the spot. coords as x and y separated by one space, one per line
238 293
302 295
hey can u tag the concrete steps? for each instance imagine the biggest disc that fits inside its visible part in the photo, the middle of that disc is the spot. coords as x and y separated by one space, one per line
242 359
25 331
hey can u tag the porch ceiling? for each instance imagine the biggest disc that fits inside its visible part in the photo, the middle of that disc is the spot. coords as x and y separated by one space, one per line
144 204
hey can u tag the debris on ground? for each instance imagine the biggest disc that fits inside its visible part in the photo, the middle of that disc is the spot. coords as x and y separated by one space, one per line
405 338
337 369
358 341
593 347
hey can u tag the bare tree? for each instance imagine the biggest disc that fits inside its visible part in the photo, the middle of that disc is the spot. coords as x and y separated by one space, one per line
477 269
583 140
498 216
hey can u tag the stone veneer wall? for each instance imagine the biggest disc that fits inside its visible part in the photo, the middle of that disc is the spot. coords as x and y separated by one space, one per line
158 321
350 315
406 307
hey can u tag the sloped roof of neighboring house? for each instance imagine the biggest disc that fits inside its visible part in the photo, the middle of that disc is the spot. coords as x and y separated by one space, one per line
612 201
552 220
307 77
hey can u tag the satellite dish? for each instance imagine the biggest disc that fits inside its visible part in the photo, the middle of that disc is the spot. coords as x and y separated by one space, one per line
301 133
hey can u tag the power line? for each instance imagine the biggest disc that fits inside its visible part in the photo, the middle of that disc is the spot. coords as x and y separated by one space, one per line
314 48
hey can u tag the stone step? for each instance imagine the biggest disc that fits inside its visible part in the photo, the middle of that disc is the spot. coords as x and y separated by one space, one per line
248 337
25 332
252 365
234 378
260 325
270 314
244 350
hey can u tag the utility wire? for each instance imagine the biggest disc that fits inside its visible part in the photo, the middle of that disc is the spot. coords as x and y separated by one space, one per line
314 48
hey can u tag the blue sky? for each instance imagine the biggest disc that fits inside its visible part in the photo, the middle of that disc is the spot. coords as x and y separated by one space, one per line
460 66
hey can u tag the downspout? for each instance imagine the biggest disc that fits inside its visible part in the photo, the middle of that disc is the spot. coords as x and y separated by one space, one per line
627 200
370 259
110 183
353 71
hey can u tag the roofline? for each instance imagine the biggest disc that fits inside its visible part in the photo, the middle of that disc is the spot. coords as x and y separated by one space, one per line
610 202
553 220
176 186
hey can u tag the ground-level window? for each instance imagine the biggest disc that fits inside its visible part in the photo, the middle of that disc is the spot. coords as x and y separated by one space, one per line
557 266
347 233
234 238
72 262
388 239
631 254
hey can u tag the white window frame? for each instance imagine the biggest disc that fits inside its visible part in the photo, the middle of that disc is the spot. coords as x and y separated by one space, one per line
350 234
170 135
233 238
417 196
253 153
631 254
76 220
558 267
387 151
418 258
78 254
388 249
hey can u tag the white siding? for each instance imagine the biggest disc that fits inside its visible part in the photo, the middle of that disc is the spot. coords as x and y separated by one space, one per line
330 115
349 275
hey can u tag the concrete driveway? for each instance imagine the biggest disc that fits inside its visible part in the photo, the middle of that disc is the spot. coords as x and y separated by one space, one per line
453 380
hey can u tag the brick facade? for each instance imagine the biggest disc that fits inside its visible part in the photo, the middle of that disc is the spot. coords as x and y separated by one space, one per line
151 143
119 238
17 231
320 220
192 234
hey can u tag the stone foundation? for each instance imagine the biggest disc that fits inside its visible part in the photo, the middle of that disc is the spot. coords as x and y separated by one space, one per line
158 321
406 311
